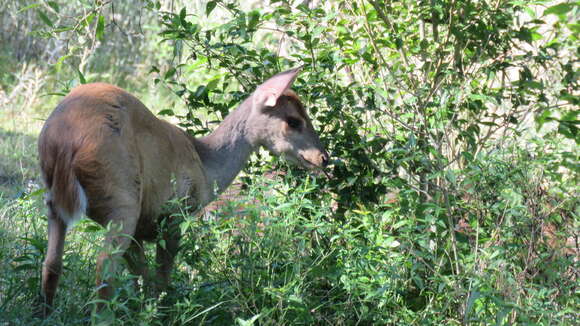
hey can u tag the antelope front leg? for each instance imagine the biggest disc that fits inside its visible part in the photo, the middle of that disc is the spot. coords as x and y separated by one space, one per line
117 241
193 186
137 263
107 266
166 251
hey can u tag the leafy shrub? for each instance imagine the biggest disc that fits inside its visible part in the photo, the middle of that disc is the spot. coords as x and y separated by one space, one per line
453 191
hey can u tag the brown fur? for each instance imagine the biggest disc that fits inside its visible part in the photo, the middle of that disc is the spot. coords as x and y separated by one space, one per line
124 158
103 153
291 96
99 126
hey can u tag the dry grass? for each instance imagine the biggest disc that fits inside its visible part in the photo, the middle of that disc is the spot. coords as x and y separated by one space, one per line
22 109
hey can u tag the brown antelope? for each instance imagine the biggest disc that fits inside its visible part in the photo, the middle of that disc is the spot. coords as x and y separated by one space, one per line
105 155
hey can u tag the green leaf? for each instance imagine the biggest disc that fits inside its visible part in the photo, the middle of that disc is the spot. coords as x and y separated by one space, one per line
81 77
60 61
210 7
62 29
100 28
200 91
472 298
24 267
45 18
55 94
248 322
170 73
391 242
32 6
568 129
253 19
88 20
36 193
168 112
575 28
37 243
212 84
177 48
54 6
162 244
500 316
559 9
571 116
182 16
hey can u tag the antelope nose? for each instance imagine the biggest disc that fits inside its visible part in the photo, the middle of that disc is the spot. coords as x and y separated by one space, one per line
324 159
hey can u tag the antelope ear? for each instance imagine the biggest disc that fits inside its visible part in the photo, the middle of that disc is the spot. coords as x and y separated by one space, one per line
267 94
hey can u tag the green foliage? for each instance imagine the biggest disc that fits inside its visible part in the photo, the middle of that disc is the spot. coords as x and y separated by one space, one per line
453 126
423 105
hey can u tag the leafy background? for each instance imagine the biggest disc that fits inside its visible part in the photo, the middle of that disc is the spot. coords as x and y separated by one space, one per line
453 128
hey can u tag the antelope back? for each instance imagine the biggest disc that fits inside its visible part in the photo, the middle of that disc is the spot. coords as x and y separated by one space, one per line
101 142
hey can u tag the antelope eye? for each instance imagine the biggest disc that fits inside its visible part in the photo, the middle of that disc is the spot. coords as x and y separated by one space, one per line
293 122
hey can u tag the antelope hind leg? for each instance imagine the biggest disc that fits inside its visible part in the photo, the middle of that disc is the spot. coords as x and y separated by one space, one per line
52 266
123 222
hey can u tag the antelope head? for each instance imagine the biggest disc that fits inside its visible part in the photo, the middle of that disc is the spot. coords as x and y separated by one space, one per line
280 123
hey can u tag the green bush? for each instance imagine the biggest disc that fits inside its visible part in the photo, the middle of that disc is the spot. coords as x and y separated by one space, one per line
451 198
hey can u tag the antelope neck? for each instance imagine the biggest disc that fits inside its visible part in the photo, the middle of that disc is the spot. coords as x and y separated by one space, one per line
225 151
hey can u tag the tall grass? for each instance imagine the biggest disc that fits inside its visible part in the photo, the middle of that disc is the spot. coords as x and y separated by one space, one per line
273 256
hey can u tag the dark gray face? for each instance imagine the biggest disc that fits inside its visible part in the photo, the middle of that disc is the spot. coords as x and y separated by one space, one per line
279 122
288 132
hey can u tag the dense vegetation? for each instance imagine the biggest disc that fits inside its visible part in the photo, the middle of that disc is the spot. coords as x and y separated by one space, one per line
452 197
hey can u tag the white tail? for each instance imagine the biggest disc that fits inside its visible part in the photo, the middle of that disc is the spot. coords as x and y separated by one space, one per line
103 153
80 209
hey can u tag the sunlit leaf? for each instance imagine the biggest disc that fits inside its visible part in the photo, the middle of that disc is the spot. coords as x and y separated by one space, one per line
210 6
100 32
45 18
